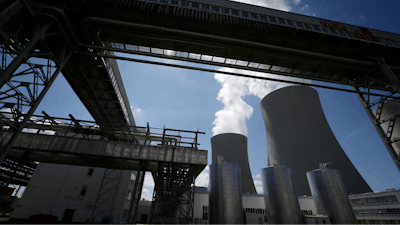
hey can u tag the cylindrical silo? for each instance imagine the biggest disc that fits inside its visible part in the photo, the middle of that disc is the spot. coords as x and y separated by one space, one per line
299 137
281 202
330 197
388 111
233 147
225 199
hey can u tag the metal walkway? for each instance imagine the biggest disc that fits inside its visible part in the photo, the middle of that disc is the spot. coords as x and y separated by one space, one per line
171 155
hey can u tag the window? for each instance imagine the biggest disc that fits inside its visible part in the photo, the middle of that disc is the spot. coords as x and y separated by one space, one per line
254 16
235 12
290 23
205 212
334 31
226 11
306 212
133 176
245 14
195 5
174 2
264 18
129 196
183 3
317 28
326 30
83 190
90 172
299 24
124 214
308 26
282 21
215 8
272 19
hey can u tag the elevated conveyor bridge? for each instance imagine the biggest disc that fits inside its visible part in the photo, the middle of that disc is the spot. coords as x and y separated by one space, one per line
171 155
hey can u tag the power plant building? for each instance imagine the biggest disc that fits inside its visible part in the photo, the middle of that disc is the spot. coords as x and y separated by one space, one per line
233 148
299 137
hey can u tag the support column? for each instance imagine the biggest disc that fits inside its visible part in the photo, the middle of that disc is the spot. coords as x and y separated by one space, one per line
378 128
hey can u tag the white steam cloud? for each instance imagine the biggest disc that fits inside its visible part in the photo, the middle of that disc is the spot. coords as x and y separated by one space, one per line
232 118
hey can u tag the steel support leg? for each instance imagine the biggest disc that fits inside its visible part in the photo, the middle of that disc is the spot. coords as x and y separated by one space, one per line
389 74
26 117
137 193
8 72
378 129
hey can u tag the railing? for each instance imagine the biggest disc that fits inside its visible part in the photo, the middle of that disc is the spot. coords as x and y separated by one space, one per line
71 127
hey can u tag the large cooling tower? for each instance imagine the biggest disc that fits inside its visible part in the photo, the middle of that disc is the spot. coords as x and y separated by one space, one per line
299 137
233 147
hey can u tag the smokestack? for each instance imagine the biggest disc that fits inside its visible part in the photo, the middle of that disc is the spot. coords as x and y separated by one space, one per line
299 137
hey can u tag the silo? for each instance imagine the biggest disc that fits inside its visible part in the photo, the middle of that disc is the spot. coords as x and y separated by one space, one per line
299 137
389 110
233 147
281 202
225 199
330 197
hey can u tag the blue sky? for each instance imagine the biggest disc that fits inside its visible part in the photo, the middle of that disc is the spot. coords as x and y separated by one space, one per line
184 99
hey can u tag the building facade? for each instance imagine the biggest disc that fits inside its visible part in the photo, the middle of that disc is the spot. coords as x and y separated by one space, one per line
77 194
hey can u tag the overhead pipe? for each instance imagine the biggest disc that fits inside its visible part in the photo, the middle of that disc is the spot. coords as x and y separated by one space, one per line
234 74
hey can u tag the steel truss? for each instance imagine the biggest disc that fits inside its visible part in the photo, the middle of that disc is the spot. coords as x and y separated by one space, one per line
106 197
374 106
28 69
138 186
173 196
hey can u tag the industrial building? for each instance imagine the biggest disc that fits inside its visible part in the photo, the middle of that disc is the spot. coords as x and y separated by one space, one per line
299 137
77 194
79 39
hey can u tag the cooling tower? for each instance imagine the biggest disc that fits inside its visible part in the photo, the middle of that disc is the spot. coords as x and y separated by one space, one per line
225 199
233 147
281 201
299 137
390 109
329 196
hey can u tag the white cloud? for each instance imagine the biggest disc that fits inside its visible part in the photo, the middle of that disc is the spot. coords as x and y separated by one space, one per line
232 118
146 194
258 176
275 4
296 2
202 179
137 114
305 8
258 185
